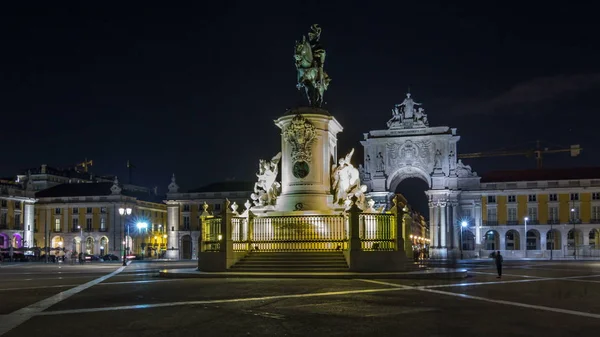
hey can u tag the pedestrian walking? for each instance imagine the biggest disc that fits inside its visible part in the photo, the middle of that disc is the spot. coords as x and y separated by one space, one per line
499 259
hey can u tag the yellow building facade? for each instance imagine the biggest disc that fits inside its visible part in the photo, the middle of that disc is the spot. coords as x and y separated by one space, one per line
537 214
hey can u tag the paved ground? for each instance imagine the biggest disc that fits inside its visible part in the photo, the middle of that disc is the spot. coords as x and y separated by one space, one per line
532 299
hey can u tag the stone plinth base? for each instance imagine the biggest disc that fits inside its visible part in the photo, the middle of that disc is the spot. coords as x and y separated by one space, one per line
304 201
438 253
172 254
361 261
218 261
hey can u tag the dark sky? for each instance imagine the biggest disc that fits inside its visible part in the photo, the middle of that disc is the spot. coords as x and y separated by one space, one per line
195 89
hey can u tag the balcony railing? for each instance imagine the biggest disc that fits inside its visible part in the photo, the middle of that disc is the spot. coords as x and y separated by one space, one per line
553 222
3 226
490 223
512 222
104 229
532 222
57 230
74 229
594 220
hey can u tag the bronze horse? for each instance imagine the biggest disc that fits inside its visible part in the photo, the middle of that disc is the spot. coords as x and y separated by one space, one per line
311 75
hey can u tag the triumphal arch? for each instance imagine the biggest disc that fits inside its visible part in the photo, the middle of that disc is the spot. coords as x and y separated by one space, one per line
410 148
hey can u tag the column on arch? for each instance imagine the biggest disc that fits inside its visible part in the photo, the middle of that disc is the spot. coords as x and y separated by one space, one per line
443 224
432 225
456 226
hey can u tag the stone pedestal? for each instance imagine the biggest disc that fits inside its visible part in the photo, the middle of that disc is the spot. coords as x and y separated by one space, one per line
172 230
28 224
309 146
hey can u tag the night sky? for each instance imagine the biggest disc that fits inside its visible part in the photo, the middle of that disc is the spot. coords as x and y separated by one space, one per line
194 90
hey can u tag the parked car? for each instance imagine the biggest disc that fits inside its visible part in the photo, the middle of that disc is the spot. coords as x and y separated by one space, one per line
110 257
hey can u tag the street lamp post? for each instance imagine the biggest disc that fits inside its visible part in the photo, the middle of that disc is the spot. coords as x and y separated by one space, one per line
552 234
81 244
526 219
125 212
462 226
574 234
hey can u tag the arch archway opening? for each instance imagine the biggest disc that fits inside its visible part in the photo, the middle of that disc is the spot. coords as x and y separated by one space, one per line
594 237
58 242
513 240
4 240
533 239
492 240
574 238
553 240
413 189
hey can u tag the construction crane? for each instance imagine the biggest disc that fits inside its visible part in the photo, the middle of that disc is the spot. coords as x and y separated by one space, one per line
538 153
84 165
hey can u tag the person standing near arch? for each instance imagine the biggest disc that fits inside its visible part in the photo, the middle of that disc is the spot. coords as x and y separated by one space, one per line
499 259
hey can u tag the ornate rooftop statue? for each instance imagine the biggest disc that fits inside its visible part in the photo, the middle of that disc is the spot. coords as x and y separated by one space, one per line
310 59
405 115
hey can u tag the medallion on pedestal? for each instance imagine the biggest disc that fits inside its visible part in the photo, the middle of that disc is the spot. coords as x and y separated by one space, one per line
300 134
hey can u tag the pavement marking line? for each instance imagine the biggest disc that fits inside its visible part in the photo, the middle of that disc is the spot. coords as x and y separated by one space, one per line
42 287
385 283
516 304
16 318
100 284
503 274
233 300
141 281
467 284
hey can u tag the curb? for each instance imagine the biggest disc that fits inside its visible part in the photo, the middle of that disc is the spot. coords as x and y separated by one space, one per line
441 274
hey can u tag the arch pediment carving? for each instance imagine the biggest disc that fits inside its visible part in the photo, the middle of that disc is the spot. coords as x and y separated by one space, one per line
410 153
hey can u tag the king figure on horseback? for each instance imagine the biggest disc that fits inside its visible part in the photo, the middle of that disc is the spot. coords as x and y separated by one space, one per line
310 59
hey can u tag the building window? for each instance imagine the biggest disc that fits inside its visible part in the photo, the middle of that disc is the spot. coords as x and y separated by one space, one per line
574 214
596 196
532 198
75 222
595 213
17 205
466 213
75 210
186 223
17 220
491 199
512 215
88 224
102 209
512 198
57 211
57 225
553 213
3 218
492 214
574 196
186 208
88 210
4 203
553 197
102 223
532 213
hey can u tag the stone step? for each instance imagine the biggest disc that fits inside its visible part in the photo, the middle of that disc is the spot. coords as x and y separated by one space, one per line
299 270
282 266
293 262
